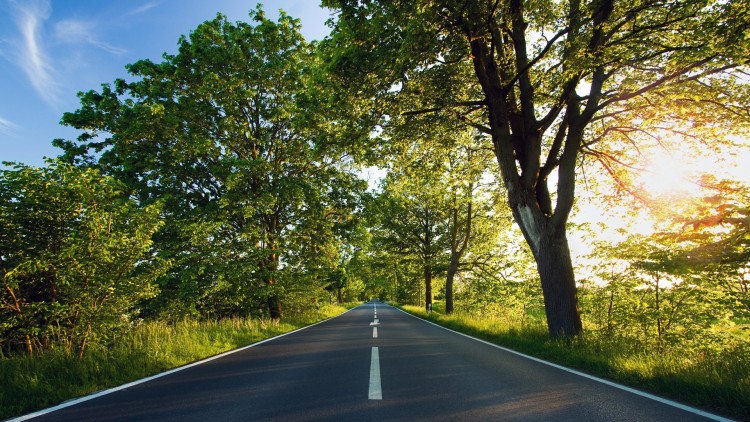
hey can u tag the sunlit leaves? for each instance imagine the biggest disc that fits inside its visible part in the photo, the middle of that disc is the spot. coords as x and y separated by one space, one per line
227 134
683 281
76 256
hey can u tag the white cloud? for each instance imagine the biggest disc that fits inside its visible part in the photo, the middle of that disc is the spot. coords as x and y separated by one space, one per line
79 32
145 8
31 56
6 126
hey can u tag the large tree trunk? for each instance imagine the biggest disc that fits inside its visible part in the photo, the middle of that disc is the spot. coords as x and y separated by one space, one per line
549 244
558 285
542 227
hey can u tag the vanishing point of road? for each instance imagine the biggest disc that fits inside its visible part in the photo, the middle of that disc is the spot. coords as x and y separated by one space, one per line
372 363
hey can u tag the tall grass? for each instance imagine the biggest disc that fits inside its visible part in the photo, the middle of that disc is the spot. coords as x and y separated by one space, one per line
32 383
715 378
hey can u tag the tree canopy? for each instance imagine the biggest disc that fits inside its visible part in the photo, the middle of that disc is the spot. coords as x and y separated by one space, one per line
225 180
227 133
550 83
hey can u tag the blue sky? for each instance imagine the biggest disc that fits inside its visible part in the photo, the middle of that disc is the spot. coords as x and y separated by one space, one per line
52 49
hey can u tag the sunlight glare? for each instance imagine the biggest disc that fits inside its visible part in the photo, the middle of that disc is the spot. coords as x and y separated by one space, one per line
666 175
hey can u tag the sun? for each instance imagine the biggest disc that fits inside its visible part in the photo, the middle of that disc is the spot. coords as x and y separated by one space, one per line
666 175
675 170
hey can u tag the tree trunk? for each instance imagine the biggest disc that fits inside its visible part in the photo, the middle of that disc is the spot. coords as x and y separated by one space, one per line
427 287
83 341
658 309
274 307
29 346
274 302
517 136
610 326
558 285
452 270
457 251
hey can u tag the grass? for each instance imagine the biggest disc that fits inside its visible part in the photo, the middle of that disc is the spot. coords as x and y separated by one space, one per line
716 379
33 383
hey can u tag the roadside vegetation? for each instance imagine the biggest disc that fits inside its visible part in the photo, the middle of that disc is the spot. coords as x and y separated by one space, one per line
54 376
713 377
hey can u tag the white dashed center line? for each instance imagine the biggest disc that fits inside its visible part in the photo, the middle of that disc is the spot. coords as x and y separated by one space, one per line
376 393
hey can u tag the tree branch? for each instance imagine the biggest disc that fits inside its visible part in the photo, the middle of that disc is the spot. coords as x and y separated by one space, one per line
436 109
661 81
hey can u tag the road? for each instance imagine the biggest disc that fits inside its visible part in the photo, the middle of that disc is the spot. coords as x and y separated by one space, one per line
373 363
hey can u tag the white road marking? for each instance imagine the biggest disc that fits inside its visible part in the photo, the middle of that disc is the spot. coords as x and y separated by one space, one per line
376 393
584 375
374 332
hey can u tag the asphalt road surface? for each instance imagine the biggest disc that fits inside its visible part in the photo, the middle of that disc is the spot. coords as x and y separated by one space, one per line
373 363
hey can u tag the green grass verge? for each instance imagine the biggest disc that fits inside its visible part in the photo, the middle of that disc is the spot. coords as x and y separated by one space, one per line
31 383
717 379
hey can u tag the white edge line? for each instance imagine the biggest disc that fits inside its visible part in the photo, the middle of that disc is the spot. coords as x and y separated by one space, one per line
585 375
74 402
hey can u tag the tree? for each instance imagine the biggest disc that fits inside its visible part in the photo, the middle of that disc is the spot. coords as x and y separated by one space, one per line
499 279
550 81
714 234
472 233
648 291
682 281
444 163
413 225
228 133
338 280
75 254
377 273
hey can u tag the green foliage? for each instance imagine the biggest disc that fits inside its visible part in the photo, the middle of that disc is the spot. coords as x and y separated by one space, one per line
412 227
716 234
372 269
229 135
337 281
549 84
650 299
685 283
434 214
76 257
